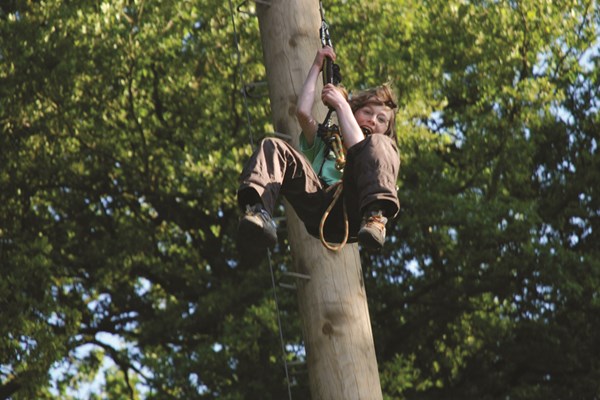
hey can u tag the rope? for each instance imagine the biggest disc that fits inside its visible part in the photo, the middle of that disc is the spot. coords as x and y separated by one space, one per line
338 192
248 120
239 68
285 364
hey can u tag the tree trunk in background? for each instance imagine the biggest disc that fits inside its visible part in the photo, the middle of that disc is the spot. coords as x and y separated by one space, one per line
333 303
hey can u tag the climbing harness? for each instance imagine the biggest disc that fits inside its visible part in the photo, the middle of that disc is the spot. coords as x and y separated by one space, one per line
331 136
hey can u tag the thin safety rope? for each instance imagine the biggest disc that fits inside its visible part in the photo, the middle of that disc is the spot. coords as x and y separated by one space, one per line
285 365
249 124
239 69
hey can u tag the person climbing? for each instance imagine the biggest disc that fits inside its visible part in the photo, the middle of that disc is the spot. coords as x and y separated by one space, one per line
308 179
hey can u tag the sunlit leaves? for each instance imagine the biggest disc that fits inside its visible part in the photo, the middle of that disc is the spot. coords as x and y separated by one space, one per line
123 129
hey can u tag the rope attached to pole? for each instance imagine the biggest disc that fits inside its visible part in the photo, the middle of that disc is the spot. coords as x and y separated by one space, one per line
249 127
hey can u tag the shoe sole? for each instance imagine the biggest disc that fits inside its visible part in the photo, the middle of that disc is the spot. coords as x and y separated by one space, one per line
254 233
252 243
366 240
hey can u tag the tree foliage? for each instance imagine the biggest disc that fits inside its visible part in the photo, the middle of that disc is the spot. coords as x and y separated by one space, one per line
125 123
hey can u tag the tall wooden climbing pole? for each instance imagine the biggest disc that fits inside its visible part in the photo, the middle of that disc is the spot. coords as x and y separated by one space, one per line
333 303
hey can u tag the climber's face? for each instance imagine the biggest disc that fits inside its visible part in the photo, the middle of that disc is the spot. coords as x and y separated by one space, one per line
374 118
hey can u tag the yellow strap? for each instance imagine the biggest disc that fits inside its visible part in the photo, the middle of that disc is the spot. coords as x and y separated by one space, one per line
336 196
339 151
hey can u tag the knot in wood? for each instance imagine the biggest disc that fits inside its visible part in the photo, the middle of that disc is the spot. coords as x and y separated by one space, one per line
327 329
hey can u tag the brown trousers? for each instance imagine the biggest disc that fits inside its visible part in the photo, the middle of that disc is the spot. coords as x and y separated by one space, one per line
370 174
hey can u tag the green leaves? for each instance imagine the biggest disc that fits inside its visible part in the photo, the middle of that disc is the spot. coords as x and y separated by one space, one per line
123 128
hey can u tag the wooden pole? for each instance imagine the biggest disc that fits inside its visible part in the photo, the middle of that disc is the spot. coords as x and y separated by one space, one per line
333 303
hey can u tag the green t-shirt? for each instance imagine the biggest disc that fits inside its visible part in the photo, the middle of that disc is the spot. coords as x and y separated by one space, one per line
321 159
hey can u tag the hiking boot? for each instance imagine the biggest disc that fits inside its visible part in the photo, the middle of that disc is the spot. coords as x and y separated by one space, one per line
371 235
256 232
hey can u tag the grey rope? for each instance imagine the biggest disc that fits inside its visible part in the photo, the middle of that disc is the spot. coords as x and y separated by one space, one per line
285 364
249 127
239 69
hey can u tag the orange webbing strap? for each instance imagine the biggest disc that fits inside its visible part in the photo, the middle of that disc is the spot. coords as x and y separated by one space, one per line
336 196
